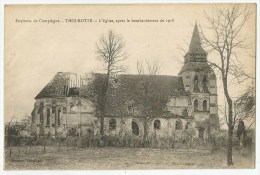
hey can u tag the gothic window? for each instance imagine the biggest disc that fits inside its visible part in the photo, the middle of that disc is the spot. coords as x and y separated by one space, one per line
130 109
40 111
205 105
178 125
64 109
204 84
196 105
196 79
41 118
72 107
201 132
59 116
48 117
187 125
112 124
196 84
157 124
135 128
64 90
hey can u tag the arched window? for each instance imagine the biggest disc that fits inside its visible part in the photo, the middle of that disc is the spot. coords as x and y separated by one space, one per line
196 105
201 132
72 107
204 84
205 105
112 124
187 125
59 116
130 109
41 118
157 124
135 128
196 84
178 125
48 117
41 113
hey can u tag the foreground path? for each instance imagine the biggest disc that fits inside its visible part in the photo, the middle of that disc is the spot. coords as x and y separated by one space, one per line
118 158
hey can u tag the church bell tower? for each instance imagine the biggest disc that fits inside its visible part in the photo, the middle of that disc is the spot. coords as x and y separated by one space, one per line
200 82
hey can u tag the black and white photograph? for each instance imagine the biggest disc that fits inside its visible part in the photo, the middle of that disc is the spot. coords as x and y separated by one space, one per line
129 86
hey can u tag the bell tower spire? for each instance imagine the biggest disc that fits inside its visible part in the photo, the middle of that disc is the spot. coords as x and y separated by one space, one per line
196 57
195 53
200 82
195 43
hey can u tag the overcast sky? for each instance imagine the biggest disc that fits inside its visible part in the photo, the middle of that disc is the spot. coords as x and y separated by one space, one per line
35 52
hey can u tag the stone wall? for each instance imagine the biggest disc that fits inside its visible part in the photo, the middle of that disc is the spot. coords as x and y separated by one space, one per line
72 112
124 126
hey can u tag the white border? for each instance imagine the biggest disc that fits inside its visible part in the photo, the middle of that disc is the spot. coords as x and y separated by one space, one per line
255 171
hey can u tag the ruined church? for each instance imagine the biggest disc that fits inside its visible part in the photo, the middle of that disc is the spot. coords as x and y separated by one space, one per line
188 101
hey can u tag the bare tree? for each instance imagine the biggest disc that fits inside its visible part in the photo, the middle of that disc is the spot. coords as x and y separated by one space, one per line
226 25
110 51
148 72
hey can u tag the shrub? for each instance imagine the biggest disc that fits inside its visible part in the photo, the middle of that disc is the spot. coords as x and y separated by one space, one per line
72 132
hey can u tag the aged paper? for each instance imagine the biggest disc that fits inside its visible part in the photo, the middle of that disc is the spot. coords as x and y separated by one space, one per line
162 102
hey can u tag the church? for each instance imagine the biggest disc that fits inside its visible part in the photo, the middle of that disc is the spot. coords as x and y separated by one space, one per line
174 104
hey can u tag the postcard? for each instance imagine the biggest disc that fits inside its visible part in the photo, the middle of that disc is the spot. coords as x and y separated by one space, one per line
129 86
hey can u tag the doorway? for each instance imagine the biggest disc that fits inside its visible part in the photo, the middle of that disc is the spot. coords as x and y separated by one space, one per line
201 132
135 128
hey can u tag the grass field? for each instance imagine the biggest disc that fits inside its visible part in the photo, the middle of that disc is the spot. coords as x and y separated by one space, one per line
121 158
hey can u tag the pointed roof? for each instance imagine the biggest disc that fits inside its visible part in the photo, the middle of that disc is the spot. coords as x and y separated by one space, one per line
195 43
196 57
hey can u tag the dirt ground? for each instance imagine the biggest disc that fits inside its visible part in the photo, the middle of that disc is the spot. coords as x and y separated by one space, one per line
120 158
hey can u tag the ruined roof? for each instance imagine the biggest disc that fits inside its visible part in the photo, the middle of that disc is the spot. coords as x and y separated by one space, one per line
58 87
59 84
124 88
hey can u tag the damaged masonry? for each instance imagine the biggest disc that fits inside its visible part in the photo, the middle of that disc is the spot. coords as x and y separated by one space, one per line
186 101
